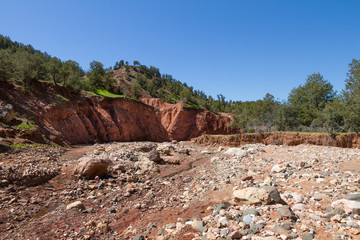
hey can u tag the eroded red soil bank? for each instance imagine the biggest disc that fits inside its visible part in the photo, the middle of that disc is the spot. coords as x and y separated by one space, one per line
67 118
349 140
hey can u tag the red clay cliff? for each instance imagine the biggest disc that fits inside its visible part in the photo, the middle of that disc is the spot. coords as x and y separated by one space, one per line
67 118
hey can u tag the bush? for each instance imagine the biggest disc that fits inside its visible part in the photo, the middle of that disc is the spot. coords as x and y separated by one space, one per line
251 130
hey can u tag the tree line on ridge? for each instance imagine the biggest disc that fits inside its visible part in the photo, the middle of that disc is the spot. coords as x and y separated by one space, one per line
312 106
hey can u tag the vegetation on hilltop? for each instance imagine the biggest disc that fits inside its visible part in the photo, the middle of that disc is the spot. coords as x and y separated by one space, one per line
313 106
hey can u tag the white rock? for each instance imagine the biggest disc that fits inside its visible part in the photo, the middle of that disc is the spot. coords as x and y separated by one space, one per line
236 152
223 222
77 204
297 197
352 223
252 195
299 207
278 168
349 206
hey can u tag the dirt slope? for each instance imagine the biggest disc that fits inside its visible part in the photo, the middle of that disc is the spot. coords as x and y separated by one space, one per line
349 140
67 118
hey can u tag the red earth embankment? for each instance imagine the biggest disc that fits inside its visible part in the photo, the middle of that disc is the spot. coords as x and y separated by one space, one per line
348 140
67 118
120 119
105 120
183 123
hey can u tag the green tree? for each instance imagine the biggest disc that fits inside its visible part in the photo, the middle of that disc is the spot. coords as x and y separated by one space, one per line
310 99
186 95
116 67
136 90
96 75
268 109
136 63
287 118
221 103
70 74
141 80
6 66
333 120
30 67
53 67
351 97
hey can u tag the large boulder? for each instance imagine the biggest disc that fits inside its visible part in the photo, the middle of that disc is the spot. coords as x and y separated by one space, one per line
165 149
252 195
7 113
236 152
154 156
92 167
146 166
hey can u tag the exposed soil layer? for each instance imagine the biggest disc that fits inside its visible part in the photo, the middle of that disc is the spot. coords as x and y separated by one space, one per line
183 123
66 118
105 120
349 140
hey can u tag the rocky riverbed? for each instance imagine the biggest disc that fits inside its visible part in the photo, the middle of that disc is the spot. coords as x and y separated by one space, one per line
180 190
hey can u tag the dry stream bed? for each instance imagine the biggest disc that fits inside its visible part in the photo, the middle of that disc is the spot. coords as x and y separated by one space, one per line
181 190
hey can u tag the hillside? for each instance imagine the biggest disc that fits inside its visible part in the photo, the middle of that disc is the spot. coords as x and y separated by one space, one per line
311 107
52 114
139 81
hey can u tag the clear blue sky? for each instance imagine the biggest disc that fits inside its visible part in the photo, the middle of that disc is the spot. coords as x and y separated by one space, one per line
242 49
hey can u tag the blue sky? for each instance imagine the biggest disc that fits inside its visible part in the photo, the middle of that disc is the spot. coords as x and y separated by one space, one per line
241 49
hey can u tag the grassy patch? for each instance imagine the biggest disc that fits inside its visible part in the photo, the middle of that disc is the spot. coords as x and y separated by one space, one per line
60 99
25 145
27 125
192 106
105 93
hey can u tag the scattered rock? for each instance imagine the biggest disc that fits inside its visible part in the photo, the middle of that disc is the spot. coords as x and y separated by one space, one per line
251 211
286 212
274 194
307 236
155 156
104 227
139 237
235 235
353 197
278 168
246 178
349 206
236 152
252 195
92 167
165 149
76 205
7 113
247 219
198 225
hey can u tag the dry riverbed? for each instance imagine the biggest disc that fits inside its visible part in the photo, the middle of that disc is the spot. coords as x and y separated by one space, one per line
180 191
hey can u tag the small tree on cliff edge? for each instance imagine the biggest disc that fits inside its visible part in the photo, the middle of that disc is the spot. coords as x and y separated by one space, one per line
96 75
